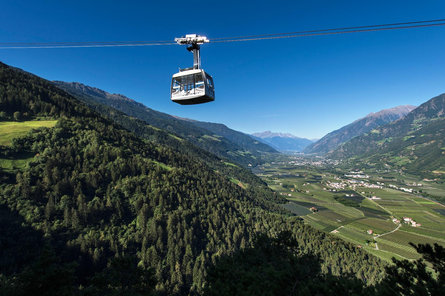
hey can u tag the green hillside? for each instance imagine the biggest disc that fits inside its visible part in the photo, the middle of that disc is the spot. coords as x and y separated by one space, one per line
96 204
413 144
159 136
215 138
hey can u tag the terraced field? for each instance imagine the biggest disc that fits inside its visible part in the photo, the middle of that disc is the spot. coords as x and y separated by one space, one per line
349 213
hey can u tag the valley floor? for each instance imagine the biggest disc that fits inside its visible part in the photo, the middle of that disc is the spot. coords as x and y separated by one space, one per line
380 212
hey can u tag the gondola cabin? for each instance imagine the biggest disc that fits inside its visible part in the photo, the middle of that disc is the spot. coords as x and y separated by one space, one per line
192 86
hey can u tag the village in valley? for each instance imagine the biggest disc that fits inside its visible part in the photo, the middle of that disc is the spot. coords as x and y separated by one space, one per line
380 211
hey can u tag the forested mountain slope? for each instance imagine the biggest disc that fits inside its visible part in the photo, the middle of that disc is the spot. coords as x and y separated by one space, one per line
243 140
235 173
334 139
92 192
215 138
414 143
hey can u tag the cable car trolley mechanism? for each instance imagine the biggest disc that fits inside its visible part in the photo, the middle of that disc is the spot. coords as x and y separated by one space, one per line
192 85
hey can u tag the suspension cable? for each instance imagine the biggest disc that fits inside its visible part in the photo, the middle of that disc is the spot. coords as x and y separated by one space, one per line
320 32
368 28
323 33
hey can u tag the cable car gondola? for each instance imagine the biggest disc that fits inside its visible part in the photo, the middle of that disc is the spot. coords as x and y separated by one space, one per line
192 85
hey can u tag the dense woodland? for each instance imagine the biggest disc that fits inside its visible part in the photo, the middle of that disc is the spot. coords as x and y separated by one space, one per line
101 211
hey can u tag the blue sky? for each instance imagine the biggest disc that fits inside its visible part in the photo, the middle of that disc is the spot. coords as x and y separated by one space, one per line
305 86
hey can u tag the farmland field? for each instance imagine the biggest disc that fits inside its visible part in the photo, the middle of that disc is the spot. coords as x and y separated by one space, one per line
367 212
13 129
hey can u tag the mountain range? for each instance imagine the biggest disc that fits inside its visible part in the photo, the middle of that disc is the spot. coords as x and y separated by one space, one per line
213 137
414 143
283 142
251 150
363 125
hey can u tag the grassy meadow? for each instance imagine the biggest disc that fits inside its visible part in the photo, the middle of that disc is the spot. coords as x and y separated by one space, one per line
13 129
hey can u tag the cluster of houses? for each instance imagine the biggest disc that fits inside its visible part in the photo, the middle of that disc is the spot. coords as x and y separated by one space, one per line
411 222
396 221
285 194
352 184
342 184
357 175
373 197
298 161
409 190
407 220
337 185
360 183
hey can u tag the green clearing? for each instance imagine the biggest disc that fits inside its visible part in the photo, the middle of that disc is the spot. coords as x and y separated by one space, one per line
231 164
163 165
239 183
234 181
213 138
19 162
348 214
175 137
12 129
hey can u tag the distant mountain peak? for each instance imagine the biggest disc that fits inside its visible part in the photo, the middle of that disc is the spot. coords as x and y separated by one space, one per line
398 110
414 143
282 141
270 134
360 126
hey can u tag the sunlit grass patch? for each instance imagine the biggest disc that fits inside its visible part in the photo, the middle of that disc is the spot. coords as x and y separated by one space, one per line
12 129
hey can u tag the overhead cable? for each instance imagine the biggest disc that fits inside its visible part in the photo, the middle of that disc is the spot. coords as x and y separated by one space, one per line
319 32
395 25
322 33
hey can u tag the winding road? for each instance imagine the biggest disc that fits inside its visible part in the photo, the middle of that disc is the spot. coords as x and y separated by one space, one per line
377 236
